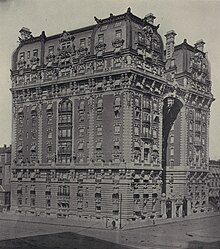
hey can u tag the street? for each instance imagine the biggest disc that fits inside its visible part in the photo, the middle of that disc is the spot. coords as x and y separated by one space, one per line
203 233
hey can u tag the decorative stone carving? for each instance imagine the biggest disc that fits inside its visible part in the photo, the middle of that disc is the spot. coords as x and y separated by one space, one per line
199 67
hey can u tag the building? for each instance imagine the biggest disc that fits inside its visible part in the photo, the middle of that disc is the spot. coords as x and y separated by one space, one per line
105 121
214 183
5 165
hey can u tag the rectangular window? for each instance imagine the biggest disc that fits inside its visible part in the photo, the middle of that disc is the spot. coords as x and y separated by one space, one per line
172 63
154 133
136 131
99 104
172 151
0 169
117 129
49 118
99 131
49 133
81 131
34 120
171 139
116 145
28 54
171 163
32 202
49 148
48 203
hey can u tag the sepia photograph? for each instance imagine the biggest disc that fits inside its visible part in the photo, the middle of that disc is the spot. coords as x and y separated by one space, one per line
109 124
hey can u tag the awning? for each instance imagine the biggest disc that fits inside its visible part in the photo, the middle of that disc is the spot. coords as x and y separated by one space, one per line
146 146
115 191
136 208
99 85
82 105
117 144
136 145
20 110
80 205
99 145
19 175
49 107
99 54
80 146
48 188
117 50
138 84
137 177
33 174
19 188
49 64
115 206
146 191
33 148
155 148
98 191
33 109
32 188
136 192
117 83
146 178
20 148
117 101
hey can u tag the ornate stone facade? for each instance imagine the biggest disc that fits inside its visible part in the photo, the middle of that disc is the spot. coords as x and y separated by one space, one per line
92 114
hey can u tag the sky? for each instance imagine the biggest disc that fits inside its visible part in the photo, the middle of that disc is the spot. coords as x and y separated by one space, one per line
192 19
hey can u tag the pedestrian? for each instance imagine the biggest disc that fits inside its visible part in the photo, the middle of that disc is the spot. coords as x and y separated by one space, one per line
113 224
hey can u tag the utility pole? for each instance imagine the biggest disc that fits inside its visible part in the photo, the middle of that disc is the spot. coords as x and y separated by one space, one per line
120 212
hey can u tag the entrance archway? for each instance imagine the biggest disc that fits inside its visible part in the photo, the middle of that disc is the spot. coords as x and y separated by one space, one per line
171 108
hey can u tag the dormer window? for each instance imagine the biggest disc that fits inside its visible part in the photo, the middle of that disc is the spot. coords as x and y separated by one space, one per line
51 50
101 38
118 34
35 53
22 56
82 42
172 64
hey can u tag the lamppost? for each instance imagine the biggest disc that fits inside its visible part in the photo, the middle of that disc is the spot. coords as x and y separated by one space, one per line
120 226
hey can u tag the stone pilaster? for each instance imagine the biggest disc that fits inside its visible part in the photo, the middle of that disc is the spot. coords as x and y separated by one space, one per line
127 126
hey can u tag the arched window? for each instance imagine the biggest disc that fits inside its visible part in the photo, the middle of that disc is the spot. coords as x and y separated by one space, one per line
65 106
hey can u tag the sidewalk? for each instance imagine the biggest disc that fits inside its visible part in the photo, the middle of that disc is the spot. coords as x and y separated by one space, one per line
78 222
82 223
147 223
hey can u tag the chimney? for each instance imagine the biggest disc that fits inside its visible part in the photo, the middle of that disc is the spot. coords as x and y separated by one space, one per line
150 18
170 42
200 45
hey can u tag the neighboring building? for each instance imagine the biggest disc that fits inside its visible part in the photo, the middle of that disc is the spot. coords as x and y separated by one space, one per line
5 166
214 183
92 114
